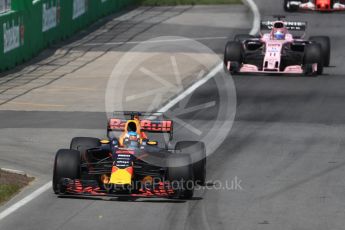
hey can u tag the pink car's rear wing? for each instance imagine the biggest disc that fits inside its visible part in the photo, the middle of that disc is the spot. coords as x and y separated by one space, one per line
289 25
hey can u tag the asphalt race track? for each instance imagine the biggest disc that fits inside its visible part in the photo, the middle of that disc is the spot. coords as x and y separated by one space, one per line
285 149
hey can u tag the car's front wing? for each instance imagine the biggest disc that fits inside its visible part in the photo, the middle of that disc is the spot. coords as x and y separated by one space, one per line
90 188
252 69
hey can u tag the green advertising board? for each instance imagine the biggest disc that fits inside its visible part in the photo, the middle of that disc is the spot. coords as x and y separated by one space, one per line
32 25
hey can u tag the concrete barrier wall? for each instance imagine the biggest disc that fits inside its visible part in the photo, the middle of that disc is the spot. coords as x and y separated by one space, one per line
32 25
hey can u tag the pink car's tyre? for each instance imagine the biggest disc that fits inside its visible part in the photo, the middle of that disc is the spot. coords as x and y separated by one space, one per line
312 55
325 43
233 53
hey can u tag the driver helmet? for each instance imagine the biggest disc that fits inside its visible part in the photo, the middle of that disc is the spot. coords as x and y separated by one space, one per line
279 35
132 140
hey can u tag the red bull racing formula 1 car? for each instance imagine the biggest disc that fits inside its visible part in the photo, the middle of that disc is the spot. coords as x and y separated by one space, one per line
278 51
314 5
130 165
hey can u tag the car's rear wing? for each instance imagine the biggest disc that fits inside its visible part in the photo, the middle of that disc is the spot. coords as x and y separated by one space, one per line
290 25
130 115
149 122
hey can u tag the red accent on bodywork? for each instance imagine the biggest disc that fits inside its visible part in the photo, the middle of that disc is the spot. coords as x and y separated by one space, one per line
76 187
323 4
130 170
156 126
125 151
146 125
114 169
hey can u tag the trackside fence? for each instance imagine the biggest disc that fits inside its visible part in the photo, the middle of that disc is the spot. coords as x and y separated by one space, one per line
28 26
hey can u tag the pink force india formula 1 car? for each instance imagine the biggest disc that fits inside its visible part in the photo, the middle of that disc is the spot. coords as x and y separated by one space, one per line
278 51
314 5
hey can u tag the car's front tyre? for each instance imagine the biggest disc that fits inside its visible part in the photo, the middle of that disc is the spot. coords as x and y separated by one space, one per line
82 144
312 55
325 43
66 165
197 151
234 54
180 176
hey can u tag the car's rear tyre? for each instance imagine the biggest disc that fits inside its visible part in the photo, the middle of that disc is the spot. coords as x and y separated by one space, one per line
234 54
288 7
180 176
82 144
312 55
66 165
325 43
197 151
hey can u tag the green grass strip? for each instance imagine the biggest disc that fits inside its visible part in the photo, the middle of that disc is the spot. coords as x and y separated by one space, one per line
7 191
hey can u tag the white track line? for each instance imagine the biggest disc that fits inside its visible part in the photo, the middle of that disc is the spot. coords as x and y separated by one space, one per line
255 29
26 200
191 89
256 14
164 109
